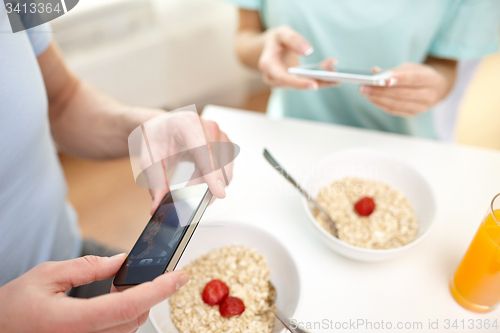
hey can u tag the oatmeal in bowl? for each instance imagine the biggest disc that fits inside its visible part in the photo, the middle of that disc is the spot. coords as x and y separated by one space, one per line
243 274
368 214
381 206
231 267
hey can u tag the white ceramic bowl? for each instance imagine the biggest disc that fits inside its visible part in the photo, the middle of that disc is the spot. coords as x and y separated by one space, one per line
378 166
209 236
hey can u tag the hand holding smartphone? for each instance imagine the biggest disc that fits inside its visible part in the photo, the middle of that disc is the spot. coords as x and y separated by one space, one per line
161 244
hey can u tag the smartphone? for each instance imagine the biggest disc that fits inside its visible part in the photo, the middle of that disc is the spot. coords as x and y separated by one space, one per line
161 244
342 75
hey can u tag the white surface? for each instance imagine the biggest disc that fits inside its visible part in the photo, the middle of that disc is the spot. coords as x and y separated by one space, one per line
375 165
210 236
408 289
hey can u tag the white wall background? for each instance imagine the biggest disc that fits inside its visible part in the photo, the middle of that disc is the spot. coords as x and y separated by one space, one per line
158 53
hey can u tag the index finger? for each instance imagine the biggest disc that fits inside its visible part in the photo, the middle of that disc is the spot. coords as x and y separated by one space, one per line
294 41
277 74
117 308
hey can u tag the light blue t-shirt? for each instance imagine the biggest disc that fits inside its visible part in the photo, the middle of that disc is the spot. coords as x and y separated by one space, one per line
36 222
385 33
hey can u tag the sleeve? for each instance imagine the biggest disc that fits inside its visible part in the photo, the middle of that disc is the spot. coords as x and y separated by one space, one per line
40 37
33 24
469 30
248 4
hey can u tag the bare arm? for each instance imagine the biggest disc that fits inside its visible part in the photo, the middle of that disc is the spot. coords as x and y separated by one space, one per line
87 123
250 38
84 121
447 69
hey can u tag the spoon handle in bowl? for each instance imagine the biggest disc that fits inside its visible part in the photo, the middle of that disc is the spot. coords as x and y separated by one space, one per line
291 324
285 174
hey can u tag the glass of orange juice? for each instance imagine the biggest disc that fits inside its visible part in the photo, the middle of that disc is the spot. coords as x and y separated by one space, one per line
476 283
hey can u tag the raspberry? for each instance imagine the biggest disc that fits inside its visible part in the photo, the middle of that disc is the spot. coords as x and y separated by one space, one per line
215 292
365 206
231 306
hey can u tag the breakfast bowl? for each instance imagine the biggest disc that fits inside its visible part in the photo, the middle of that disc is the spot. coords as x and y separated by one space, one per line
375 167
214 236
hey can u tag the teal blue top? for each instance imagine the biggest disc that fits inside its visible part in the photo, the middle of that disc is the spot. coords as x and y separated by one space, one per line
385 33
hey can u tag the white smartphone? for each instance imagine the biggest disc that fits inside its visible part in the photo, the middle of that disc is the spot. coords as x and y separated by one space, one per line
342 75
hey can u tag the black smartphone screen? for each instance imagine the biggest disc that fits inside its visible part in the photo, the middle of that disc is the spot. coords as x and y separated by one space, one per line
157 244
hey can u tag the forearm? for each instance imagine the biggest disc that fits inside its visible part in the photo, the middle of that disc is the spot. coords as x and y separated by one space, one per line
447 70
250 38
249 46
85 122
93 125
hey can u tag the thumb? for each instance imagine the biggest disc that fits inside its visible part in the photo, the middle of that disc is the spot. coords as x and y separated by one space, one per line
84 270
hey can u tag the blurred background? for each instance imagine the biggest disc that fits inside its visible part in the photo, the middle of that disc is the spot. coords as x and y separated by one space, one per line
172 53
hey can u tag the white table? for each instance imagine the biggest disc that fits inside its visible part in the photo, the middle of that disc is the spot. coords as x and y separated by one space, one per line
413 288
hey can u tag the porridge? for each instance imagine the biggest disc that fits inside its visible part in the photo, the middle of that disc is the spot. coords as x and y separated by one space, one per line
368 214
246 275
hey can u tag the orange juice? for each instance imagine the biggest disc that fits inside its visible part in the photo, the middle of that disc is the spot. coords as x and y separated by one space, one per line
476 284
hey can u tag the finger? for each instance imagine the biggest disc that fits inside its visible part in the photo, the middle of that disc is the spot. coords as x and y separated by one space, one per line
156 174
279 78
376 69
114 309
276 74
131 326
396 107
64 275
214 178
329 64
200 151
416 94
416 77
157 196
294 41
223 153
328 84
227 155
211 130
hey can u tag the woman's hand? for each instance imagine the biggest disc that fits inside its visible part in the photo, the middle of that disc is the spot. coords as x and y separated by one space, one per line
274 50
413 88
36 301
282 48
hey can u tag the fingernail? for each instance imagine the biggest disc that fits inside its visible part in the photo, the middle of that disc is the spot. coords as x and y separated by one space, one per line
393 81
313 86
118 255
377 69
221 187
308 50
183 279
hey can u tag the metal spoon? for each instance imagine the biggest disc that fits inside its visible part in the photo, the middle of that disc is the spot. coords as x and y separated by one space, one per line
282 171
291 324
